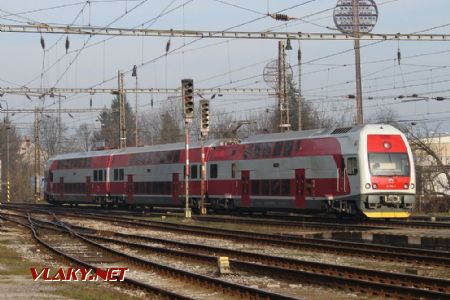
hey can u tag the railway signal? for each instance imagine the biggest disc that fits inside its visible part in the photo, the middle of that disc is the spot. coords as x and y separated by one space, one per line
187 96
187 89
204 121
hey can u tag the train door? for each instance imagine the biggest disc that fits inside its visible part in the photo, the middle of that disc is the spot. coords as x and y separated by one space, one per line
175 188
61 188
88 189
300 188
341 177
245 189
130 188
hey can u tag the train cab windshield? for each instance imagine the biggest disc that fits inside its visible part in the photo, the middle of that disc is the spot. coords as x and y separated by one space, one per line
389 164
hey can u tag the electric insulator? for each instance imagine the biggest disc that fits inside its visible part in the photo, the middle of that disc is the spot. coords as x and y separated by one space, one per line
42 43
280 17
399 56
67 44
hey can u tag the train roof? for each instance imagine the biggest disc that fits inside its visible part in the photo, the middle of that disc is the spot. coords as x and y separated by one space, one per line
291 135
130 150
320 133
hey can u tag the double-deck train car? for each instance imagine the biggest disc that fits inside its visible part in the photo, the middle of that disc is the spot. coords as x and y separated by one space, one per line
361 170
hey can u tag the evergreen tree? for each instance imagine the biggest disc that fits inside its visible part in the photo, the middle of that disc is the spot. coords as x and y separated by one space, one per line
110 121
170 132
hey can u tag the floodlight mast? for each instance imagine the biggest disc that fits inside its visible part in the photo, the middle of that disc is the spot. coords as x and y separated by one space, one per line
356 17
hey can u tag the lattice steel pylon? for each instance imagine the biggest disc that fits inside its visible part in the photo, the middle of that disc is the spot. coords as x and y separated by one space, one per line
282 92
37 155
122 113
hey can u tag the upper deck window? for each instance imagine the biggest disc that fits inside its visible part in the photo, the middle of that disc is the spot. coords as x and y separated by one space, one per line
389 164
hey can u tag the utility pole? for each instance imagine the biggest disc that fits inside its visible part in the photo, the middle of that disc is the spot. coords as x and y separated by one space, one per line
7 127
299 101
136 133
283 104
356 33
59 124
122 111
37 156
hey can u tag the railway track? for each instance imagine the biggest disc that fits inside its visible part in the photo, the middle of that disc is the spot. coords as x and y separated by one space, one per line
200 286
383 284
66 252
388 253
319 222
372 251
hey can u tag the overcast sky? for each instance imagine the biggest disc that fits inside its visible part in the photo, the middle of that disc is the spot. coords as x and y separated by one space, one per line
327 76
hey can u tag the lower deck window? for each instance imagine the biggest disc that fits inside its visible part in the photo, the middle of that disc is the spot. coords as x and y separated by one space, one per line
213 171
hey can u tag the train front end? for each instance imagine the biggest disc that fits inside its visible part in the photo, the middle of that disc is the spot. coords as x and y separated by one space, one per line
388 180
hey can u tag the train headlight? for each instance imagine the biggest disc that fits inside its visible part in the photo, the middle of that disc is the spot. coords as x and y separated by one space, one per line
412 186
406 186
387 145
374 186
368 186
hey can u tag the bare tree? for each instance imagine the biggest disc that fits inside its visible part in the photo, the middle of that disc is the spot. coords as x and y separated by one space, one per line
49 136
435 174
19 164
84 135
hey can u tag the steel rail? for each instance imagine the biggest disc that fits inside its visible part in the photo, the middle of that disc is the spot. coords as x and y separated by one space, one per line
232 288
389 253
305 224
378 288
435 284
127 281
366 281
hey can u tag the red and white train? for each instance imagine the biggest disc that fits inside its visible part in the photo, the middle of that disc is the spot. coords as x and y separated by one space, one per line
367 169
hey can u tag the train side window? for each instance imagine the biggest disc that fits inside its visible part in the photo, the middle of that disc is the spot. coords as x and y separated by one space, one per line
298 146
95 175
248 151
257 151
100 175
121 174
51 177
285 187
116 174
194 171
233 170
168 187
275 187
176 156
213 171
267 148
265 187
287 148
255 187
352 166
277 149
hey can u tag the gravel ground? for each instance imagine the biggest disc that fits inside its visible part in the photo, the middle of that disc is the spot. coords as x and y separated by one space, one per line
439 272
293 289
